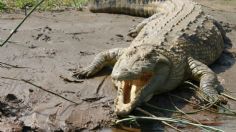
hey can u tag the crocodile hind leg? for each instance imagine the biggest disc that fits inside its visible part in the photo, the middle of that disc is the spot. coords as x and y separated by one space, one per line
133 32
209 83
102 59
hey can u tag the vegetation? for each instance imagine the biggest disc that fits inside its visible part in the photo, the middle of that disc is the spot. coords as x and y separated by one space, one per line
47 4
2 5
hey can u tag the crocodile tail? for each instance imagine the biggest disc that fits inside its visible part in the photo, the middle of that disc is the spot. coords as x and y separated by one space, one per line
143 8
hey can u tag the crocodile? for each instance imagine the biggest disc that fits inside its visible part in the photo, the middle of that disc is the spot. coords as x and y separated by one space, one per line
177 41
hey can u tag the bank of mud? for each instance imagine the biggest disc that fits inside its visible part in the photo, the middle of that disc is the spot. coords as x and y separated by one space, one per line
51 45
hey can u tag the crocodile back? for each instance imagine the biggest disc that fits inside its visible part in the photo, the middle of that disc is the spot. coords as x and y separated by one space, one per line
184 29
182 26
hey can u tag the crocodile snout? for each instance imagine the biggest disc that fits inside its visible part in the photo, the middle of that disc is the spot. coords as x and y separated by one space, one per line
120 75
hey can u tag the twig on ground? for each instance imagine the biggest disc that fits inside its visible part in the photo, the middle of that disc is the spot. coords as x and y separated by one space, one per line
189 117
14 66
182 111
215 104
228 96
188 82
233 113
131 118
28 82
174 111
164 122
92 99
229 110
198 91
8 41
13 31
100 84
162 109
206 107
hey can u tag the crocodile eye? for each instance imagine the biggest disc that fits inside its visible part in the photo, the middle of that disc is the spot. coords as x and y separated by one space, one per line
141 59
125 70
148 56
129 54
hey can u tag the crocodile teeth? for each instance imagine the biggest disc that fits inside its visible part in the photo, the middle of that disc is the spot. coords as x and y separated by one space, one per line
122 84
133 93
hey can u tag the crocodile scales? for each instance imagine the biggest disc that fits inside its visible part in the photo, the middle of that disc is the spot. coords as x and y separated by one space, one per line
176 42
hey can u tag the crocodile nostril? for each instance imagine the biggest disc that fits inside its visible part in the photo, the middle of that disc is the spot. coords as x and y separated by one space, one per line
125 70
115 75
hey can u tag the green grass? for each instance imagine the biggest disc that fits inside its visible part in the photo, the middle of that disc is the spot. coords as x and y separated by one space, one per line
47 4
2 5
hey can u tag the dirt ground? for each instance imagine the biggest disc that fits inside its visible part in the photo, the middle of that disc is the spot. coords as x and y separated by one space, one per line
49 46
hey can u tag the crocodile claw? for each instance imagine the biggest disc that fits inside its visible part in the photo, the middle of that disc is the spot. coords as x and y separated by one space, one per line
83 74
216 99
222 100
133 32
213 98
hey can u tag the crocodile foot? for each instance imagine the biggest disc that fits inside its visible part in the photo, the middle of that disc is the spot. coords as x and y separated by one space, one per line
82 74
215 99
222 99
133 32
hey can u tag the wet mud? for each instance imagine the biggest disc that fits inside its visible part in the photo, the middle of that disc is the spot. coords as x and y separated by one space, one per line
50 46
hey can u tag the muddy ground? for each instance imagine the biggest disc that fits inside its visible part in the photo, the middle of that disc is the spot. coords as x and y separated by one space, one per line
49 46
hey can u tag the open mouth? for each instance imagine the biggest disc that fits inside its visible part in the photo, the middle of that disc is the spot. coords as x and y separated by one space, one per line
129 92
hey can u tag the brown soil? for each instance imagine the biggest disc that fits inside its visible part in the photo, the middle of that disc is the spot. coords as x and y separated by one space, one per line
49 46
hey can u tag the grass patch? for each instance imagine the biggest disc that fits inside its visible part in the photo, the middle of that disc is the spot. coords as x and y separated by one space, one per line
47 4
2 6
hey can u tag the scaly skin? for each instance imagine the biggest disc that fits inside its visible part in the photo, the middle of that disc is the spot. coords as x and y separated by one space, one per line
175 43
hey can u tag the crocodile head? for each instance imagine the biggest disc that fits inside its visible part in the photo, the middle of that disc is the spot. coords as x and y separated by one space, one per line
138 74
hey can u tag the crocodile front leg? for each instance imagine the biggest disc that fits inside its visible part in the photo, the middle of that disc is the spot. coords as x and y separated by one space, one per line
133 32
209 83
102 59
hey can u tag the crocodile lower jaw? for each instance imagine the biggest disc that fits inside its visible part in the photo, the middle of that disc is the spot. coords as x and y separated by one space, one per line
129 94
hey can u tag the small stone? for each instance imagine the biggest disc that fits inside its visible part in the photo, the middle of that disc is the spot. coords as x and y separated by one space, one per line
119 35
31 90
10 97
32 46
